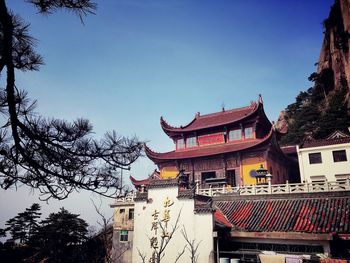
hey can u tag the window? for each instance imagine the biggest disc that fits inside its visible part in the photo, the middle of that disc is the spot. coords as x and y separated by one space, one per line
122 211
131 213
248 132
315 158
191 142
318 178
339 156
208 175
342 177
180 144
123 235
235 135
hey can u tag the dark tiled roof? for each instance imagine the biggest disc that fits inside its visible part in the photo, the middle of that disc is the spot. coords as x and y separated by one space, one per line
185 194
289 149
141 196
163 183
336 137
307 215
203 208
211 120
207 150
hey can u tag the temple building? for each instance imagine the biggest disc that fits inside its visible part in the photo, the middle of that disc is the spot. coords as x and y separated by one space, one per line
225 147
226 193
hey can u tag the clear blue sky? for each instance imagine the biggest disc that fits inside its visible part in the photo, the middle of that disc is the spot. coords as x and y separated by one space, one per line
137 60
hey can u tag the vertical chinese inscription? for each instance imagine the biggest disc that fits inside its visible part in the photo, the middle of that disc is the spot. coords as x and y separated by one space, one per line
159 221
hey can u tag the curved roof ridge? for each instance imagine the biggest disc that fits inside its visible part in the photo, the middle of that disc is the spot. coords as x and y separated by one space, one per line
228 111
209 120
165 124
137 182
150 153
207 150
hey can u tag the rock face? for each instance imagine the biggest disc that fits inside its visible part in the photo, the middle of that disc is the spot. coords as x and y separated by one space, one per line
335 55
333 70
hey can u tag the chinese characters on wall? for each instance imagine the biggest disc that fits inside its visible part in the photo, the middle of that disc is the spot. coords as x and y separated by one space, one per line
159 225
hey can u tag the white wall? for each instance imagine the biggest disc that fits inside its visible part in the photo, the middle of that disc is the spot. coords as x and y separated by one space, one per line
199 227
328 167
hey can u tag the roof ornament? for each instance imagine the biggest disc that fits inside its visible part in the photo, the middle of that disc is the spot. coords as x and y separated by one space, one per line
198 114
260 100
223 107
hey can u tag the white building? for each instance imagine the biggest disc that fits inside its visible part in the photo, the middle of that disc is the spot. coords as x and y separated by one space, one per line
169 225
327 159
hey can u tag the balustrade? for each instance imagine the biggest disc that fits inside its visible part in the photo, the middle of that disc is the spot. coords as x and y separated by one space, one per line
261 189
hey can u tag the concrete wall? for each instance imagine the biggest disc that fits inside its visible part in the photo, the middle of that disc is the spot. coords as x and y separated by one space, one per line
328 167
122 250
199 227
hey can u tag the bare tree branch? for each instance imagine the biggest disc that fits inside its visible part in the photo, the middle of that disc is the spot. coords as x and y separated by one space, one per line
179 255
192 246
142 255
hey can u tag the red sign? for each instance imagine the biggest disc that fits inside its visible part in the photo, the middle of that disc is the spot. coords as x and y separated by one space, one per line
211 139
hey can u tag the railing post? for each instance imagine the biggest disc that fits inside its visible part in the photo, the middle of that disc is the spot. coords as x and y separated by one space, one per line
269 189
210 191
197 187
287 187
306 186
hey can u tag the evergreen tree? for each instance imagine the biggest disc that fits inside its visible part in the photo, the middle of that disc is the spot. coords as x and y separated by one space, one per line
24 224
61 237
52 155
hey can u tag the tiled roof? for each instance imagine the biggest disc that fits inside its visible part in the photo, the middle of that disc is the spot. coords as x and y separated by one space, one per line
211 120
153 176
207 150
220 220
324 142
308 215
186 194
289 149
163 183
136 182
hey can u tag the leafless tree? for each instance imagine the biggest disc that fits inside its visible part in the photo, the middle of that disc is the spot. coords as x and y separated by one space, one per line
52 155
142 255
165 239
179 255
192 246
105 224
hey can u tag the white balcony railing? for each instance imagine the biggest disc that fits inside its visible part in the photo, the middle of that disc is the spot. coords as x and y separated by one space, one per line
260 189
277 188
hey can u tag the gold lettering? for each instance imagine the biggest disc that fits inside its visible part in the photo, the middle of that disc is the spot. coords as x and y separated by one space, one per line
168 202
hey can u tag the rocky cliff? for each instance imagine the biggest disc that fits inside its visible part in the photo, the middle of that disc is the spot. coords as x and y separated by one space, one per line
326 105
335 55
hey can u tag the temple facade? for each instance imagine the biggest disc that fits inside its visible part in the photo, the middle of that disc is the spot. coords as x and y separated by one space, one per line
225 147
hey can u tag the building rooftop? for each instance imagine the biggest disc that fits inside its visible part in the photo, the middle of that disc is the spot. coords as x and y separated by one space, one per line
211 120
320 214
208 150
336 137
